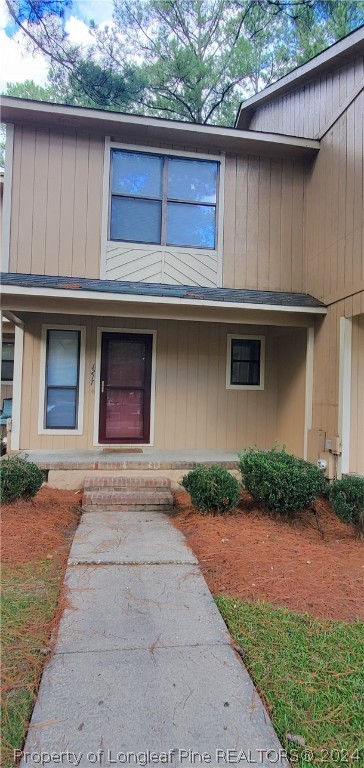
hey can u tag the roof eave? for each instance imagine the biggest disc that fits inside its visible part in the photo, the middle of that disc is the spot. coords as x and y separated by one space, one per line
83 295
340 52
154 131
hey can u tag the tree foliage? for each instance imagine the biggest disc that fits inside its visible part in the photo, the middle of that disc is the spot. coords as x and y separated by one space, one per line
193 60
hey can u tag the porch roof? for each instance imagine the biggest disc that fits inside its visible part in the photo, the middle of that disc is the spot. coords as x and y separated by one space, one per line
70 286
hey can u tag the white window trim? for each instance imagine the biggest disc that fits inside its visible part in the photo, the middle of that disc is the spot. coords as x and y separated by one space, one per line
145 331
42 430
344 404
218 158
245 387
8 184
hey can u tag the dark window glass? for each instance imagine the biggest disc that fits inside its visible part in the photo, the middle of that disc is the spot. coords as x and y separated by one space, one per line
245 362
62 379
7 361
136 220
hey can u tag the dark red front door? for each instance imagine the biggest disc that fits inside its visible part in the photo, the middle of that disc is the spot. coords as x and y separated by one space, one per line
125 388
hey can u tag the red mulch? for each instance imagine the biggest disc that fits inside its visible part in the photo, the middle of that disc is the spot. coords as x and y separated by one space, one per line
41 528
254 556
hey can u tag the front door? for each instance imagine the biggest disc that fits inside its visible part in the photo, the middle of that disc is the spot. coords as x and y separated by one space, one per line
125 388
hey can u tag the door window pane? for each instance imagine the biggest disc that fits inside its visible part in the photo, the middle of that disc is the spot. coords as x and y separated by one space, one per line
125 364
191 225
193 180
61 408
135 220
124 414
136 173
63 356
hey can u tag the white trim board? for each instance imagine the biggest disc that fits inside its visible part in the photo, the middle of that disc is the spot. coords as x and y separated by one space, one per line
100 331
42 430
308 387
344 409
8 185
17 388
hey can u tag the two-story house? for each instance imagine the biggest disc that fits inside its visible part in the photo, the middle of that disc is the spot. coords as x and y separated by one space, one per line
185 287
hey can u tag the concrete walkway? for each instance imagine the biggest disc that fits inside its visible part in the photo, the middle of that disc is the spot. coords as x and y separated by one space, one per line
143 671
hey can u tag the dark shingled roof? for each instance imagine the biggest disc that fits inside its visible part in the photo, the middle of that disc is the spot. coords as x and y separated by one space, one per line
123 287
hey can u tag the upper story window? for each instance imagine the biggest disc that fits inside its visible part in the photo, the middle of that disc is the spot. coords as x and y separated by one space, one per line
163 200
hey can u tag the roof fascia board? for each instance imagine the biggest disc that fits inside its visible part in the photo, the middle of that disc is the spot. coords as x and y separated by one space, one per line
153 129
336 54
138 299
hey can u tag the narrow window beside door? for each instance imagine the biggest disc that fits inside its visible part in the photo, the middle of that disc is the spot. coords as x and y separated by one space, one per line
62 379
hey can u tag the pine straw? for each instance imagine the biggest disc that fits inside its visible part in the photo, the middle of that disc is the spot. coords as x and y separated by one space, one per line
257 557
41 528
36 539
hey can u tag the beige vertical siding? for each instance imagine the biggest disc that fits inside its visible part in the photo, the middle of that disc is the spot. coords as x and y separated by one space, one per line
335 210
356 456
263 224
326 371
326 376
57 211
193 407
307 110
291 390
56 203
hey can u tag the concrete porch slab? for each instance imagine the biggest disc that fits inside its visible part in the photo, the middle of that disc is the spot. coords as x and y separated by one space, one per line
149 458
67 469
138 607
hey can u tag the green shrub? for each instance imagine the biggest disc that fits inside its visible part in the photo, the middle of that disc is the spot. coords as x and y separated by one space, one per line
19 478
347 499
212 489
280 482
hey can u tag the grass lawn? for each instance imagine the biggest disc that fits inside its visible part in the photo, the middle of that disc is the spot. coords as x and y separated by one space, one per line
36 538
29 600
310 673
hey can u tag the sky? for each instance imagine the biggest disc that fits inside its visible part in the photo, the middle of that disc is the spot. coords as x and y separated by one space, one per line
17 65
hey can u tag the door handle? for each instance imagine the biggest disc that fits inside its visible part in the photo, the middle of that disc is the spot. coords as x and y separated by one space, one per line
102 387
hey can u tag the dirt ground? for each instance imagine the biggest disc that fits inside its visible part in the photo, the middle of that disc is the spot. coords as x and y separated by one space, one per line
254 556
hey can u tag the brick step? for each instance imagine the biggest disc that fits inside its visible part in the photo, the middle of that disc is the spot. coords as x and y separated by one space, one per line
139 496
126 507
127 482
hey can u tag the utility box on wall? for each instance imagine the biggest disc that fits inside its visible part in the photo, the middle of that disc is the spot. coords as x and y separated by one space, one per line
330 471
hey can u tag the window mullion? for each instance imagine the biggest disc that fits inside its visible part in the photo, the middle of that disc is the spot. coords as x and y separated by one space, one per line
164 202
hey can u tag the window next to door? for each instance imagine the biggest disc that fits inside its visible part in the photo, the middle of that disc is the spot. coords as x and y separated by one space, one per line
62 380
245 362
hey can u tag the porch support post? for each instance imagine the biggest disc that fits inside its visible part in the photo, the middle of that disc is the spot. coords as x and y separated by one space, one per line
344 405
308 387
17 387
1 349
